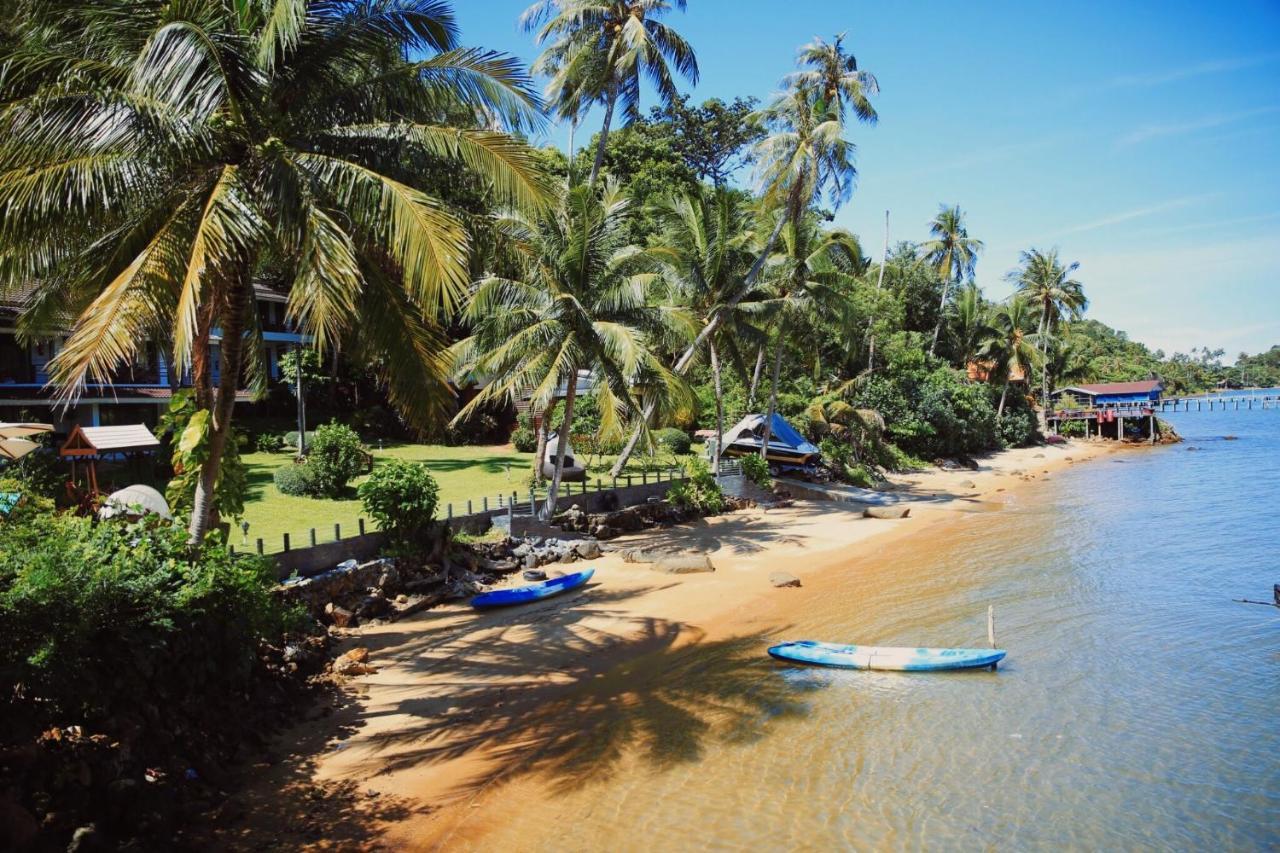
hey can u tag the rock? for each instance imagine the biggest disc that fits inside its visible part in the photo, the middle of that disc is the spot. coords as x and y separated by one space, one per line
968 484
389 579
1038 456
683 564
783 579
339 616
359 654
587 549
531 561
640 555
1231 438
372 606
886 512
17 825
1193 448
87 839
354 662
535 575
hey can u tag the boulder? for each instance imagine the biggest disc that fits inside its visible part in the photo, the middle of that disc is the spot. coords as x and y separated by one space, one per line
640 555
683 564
783 579
886 512
587 549
354 662
341 617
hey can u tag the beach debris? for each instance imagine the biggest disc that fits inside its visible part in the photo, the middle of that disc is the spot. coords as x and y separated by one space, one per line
886 512
535 575
683 564
783 579
1275 602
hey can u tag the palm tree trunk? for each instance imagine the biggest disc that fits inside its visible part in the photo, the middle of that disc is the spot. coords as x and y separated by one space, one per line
1044 373
755 378
712 324
232 348
773 392
871 322
715 373
942 309
1003 394
604 133
544 429
562 442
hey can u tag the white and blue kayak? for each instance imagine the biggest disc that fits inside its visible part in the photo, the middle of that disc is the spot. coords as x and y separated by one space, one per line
899 658
531 592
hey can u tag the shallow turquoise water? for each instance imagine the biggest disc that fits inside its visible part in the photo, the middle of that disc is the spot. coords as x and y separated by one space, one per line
1139 707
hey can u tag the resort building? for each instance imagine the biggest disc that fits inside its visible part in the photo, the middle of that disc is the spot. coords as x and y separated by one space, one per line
137 393
1104 408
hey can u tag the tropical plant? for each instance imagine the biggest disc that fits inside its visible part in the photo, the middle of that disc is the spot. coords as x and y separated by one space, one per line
401 496
833 73
676 441
972 325
580 309
1045 282
153 174
802 156
597 51
952 253
806 277
756 469
335 457
1009 346
189 430
698 491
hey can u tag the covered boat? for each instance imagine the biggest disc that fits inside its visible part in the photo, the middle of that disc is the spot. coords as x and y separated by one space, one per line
573 471
787 447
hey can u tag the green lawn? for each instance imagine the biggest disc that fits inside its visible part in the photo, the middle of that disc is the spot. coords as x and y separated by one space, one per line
462 472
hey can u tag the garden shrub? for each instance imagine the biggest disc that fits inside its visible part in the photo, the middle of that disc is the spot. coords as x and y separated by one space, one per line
40 472
676 441
297 479
270 442
1071 429
1018 427
291 439
756 469
402 497
99 618
335 457
524 438
699 490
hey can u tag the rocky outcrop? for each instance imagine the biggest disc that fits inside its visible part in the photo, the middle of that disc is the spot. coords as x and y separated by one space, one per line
886 512
783 579
682 564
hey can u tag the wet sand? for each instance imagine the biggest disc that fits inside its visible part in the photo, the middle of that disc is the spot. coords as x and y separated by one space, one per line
470 716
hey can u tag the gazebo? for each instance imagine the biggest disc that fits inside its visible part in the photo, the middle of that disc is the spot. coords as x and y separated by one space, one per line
90 443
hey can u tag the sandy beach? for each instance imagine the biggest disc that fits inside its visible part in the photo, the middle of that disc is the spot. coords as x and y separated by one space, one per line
470 715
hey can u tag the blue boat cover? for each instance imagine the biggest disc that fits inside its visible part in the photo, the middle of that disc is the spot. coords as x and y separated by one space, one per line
780 430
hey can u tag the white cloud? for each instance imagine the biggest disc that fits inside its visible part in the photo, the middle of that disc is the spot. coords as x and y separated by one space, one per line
1156 131
1186 72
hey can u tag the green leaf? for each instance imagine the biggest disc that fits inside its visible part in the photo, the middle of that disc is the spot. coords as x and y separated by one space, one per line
196 432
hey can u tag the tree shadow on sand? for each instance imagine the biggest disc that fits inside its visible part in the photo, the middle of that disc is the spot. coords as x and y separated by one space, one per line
548 693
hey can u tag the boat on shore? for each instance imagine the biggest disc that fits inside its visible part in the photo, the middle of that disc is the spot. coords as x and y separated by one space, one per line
896 658
531 592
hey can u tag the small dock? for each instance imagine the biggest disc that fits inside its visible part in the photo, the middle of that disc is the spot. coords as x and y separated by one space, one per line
1127 410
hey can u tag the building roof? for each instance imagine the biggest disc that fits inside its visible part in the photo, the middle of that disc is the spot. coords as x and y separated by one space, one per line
108 439
1146 386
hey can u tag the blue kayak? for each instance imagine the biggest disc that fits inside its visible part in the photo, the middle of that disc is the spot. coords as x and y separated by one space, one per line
531 592
900 658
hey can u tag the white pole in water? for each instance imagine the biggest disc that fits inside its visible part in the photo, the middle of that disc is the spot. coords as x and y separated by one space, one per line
991 629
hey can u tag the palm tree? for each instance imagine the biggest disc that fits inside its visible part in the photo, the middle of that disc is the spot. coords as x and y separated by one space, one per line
580 307
1045 282
834 74
952 253
597 51
809 274
703 245
803 156
1008 345
973 325
154 173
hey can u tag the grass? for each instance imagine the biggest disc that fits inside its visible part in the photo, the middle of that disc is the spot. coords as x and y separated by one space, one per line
463 473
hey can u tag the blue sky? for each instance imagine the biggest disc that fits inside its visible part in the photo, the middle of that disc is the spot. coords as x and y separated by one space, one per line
1142 139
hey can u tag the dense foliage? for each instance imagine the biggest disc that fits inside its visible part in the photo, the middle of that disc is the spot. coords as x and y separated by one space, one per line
401 497
297 480
100 616
699 489
673 440
190 432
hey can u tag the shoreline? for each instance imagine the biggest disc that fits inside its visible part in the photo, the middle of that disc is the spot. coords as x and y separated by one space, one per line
468 710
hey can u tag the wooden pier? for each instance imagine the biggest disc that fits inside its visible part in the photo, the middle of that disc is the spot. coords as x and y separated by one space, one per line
1220 403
